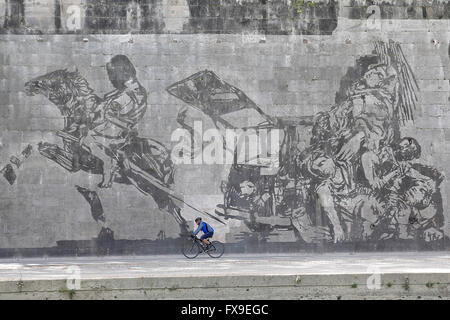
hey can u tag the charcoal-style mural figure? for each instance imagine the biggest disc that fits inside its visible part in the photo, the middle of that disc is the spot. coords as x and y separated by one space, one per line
100 137
359 178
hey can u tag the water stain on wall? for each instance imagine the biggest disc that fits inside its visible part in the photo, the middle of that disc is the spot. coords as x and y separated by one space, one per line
399 9
162 16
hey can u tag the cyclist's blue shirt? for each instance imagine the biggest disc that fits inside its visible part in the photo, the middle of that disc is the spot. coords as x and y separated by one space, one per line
204 227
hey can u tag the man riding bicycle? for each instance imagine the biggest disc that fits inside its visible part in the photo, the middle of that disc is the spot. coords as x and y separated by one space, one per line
207 230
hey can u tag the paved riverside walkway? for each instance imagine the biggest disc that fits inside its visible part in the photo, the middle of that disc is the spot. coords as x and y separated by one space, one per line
402 275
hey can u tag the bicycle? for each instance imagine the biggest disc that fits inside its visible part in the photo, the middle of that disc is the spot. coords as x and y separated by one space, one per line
193 247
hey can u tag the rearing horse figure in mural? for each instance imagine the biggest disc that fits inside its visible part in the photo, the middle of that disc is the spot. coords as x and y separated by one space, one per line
100 137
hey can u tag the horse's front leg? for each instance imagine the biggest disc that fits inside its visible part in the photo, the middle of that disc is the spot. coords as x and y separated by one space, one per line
57 154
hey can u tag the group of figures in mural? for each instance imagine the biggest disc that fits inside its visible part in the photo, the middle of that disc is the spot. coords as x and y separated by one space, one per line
358 179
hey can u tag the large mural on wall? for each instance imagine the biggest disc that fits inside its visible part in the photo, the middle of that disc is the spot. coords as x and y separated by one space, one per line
359 180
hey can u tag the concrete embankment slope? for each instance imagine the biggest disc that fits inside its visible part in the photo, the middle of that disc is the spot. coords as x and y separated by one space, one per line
407 275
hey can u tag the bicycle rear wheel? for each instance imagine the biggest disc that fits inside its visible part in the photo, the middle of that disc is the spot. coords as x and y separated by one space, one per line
190 249
216 249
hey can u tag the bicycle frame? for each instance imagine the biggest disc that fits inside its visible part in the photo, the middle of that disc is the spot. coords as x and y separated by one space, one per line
198 241
214 250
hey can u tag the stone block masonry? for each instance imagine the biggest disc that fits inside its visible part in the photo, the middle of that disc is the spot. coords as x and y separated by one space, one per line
100 99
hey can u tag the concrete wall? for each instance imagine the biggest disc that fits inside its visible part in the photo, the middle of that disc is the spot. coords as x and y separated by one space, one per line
343 82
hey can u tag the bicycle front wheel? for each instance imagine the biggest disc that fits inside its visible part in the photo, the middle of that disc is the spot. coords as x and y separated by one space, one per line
190 249
216 249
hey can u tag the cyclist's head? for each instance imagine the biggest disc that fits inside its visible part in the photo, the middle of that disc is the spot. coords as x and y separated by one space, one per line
198 220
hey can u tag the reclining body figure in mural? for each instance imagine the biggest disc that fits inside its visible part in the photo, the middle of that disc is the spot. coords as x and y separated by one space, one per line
359 145
100 137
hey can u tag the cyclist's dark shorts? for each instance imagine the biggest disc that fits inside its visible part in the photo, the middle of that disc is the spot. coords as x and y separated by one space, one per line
207 235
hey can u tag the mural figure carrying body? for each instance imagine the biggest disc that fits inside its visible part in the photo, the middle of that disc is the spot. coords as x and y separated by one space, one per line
362 168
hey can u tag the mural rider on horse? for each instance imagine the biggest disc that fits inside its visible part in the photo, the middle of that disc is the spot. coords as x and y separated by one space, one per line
116 116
